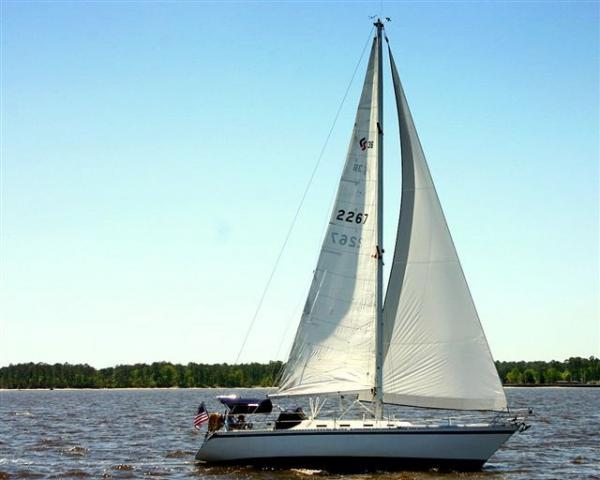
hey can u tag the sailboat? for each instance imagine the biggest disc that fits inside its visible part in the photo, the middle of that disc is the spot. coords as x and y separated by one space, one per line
422 345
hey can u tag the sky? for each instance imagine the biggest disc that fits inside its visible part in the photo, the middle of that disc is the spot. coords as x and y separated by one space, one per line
153 155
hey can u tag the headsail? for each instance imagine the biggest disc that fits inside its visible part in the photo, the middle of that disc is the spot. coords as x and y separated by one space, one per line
334 346
436 354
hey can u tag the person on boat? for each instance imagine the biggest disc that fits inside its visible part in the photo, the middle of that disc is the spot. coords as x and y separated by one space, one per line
231 422
215 422
241 423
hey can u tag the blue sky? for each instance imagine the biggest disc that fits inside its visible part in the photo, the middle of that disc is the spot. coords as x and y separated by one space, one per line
154 154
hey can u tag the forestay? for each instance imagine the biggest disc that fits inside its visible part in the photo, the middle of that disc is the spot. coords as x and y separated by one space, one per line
435 352
333 350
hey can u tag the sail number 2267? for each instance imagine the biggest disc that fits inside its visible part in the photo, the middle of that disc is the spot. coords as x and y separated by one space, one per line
352 217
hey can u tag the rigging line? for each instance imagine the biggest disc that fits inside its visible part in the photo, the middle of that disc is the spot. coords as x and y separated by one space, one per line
303 198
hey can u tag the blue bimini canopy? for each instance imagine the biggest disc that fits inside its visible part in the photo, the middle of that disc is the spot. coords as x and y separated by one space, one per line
237 404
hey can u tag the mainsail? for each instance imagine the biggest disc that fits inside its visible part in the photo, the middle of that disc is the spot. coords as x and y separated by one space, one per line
435 352
334 349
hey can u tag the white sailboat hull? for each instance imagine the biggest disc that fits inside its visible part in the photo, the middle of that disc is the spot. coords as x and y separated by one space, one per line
460 447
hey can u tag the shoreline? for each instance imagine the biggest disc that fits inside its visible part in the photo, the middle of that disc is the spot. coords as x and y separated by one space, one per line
46 389
552 385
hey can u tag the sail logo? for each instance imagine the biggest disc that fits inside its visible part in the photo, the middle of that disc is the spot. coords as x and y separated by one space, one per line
364 143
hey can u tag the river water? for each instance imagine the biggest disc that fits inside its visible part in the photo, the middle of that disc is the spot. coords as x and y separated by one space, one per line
149 433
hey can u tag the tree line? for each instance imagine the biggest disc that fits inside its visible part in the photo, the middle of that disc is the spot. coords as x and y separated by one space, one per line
572 370
158 374
165 374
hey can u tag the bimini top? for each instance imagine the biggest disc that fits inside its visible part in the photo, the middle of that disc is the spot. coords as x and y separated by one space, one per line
237 404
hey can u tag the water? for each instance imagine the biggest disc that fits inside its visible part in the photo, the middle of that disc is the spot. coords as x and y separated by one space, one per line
148 433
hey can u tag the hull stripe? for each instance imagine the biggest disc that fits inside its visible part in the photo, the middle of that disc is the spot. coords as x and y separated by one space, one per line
366 432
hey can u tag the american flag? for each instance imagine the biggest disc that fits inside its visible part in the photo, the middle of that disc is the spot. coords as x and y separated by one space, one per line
201 416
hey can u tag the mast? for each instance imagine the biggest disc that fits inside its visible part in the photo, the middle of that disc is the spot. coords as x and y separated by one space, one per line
378 390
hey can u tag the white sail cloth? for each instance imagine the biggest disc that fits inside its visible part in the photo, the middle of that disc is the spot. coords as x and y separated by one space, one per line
435 352
333 350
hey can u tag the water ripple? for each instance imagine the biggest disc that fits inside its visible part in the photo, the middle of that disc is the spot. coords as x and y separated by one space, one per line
148 434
